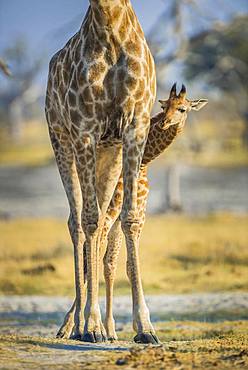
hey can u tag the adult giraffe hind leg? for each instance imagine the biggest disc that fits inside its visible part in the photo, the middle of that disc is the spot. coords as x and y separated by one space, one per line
63 151
85 153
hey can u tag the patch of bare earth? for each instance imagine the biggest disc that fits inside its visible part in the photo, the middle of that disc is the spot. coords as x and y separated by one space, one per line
207 331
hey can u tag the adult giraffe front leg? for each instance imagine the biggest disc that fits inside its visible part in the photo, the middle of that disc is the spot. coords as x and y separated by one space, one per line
133 147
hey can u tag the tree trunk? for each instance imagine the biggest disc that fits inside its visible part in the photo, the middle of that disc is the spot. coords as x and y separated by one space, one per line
15 120
174 194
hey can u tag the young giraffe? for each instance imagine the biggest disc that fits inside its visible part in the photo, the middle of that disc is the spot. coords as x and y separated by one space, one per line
101 88
164 128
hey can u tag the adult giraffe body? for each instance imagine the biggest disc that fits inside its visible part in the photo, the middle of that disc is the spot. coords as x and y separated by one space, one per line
101 88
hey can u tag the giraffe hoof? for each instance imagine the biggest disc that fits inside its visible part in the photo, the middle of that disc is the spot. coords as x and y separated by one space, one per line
93 337
63 334
112 339
77 336
146 338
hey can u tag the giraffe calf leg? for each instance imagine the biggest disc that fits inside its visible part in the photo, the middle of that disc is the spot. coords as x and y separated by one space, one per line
110 264
66 329
141 317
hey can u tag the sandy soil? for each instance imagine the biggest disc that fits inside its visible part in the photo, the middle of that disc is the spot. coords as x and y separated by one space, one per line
28 326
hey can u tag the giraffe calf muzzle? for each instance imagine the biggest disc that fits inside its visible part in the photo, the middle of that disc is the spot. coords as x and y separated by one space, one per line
166 124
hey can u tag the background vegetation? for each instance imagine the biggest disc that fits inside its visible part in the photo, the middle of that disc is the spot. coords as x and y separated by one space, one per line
208 254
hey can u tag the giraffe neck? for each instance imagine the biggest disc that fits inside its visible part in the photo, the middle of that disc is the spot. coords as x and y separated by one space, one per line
106 4
111 21
158 138
108 14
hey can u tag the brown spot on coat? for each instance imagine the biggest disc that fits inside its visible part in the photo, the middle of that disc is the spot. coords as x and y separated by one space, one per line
75 117
142 193
139 107
65 76
86 95
134 66
133 46
116 14
52 115
72 99
87 110
99 111
96 71
123 27
131 83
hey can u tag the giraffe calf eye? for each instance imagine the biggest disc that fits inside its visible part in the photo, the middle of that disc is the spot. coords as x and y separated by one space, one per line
181 110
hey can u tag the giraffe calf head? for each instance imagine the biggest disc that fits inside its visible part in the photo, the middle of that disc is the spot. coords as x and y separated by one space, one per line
177 107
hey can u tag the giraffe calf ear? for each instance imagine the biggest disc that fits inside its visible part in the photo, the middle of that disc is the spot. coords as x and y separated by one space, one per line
198 104
164 103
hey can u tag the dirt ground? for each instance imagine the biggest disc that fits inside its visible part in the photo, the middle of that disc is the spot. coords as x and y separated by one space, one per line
204 337
193 345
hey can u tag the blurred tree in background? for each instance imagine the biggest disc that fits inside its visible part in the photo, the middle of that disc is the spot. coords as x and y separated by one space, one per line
219 58
204 45
20 91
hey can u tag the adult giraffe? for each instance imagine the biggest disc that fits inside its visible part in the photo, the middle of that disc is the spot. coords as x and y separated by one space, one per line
101 88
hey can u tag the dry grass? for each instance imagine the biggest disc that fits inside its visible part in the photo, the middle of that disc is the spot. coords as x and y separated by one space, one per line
178 254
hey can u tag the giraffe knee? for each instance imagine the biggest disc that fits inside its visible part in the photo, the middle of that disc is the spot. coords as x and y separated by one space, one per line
130 226
90 226
75 227
90 223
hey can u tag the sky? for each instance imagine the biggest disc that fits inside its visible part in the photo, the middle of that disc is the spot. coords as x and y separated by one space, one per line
37 21
46 25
